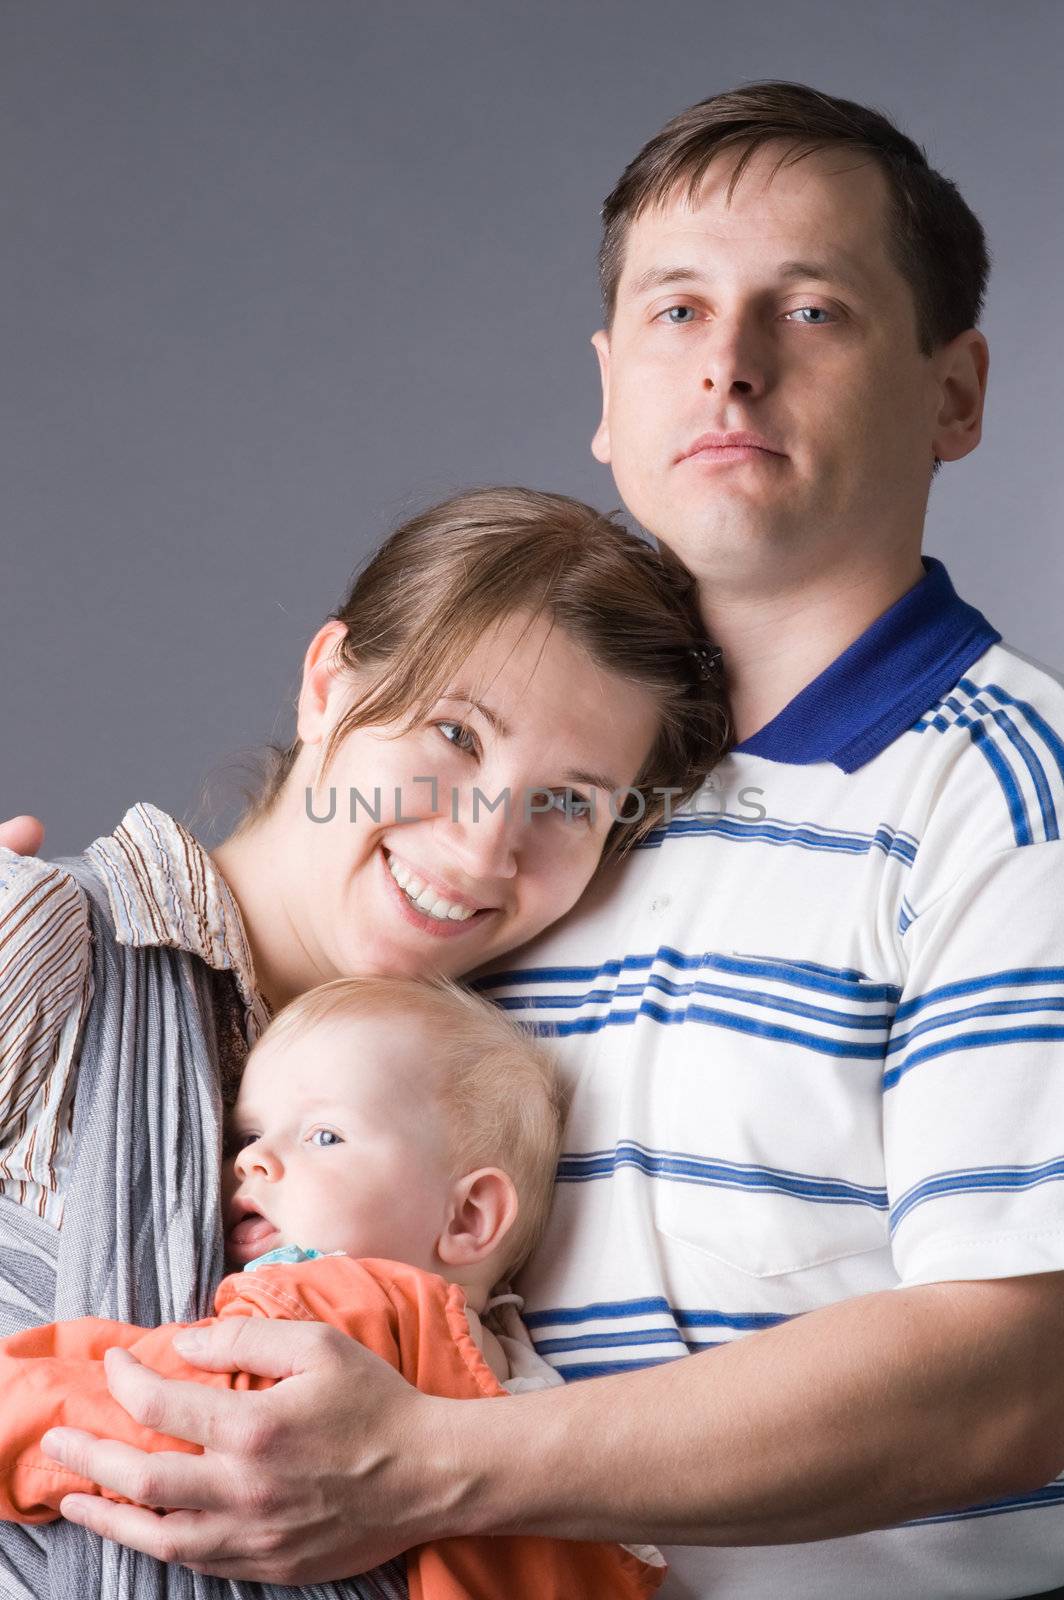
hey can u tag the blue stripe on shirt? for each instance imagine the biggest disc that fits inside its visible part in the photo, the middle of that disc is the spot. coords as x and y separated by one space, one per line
653 1305
976 1180
1034 1500
752 997
1007 978
1031 761
1042 1034
993 1008
1052 740
709 1016
843 982
715 1172
979 717
776 831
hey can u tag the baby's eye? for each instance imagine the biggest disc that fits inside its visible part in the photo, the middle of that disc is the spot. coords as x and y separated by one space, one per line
462 737
324 1137
237 1141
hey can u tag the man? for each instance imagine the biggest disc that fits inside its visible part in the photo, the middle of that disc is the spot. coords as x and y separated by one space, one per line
814 1028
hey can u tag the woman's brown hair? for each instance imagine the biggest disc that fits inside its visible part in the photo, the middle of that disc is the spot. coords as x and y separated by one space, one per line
443 579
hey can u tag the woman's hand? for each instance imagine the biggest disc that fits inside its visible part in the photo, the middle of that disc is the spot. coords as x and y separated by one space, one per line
336 1469
23 835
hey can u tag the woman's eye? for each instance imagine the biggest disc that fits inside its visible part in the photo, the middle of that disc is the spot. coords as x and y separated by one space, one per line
812 316
574 807
324 1137
459 735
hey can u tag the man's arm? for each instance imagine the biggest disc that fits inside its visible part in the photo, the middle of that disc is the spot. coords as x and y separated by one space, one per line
860 1415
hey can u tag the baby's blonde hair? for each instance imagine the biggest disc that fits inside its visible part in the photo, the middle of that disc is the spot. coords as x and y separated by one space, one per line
496 1082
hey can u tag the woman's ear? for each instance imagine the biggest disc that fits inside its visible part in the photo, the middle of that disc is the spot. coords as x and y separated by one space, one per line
322 683
481 1211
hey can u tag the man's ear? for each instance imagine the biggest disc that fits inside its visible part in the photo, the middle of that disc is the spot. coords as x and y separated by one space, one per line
600 439
322 684
961 369
480 1213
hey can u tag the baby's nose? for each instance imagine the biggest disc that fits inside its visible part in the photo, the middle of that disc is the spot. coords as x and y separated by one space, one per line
258 1157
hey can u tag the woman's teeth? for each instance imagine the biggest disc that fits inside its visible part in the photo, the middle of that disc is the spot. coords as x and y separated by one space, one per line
426 899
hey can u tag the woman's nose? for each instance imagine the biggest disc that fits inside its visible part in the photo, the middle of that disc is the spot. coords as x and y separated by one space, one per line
484 838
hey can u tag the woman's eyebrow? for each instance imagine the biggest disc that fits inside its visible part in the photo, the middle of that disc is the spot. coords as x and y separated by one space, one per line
593 780
491 716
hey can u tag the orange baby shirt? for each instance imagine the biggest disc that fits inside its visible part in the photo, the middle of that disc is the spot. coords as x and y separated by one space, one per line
53 1376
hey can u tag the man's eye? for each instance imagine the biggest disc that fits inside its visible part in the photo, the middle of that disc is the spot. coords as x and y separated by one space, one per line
324 1137
458 734
679 316
811 316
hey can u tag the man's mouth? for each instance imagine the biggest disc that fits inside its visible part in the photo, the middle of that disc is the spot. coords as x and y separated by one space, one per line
735 446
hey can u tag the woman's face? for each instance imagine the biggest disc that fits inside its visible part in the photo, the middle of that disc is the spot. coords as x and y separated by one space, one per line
466 813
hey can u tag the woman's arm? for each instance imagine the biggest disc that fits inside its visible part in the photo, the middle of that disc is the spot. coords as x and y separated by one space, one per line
45 989
23 835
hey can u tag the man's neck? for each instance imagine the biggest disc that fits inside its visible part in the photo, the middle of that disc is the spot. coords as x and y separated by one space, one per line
777 642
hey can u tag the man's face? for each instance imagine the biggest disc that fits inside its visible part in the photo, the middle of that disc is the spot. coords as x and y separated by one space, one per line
779 315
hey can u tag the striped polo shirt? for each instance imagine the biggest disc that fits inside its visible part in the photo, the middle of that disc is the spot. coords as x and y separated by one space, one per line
163 889
814 1034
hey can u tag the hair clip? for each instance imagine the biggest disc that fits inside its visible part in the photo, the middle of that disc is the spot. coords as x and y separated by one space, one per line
707 658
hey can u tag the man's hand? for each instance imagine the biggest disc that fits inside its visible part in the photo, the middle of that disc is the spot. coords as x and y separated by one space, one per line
295 1483
23 835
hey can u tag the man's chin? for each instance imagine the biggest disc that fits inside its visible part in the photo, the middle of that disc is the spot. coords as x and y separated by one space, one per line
729 541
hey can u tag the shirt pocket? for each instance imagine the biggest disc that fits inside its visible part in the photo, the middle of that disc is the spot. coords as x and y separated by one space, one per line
772 1157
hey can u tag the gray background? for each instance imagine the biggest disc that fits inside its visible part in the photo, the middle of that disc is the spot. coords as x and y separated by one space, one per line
273 272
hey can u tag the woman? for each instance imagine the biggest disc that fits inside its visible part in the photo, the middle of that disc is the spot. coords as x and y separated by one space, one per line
506 698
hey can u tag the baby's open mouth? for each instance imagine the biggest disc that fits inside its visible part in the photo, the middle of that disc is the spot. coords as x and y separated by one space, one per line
250 1236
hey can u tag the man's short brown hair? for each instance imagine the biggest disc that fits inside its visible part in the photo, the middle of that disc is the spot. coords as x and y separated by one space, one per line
935 240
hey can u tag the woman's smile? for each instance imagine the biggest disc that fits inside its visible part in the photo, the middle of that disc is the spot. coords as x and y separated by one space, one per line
408 890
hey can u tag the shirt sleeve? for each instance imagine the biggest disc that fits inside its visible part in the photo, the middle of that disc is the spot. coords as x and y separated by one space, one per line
45 990
973 1091
353 1296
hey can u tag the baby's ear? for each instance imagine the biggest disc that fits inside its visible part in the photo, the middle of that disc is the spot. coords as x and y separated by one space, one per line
481 1211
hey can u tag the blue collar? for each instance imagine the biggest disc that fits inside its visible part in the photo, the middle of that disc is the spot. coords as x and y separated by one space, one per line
907 660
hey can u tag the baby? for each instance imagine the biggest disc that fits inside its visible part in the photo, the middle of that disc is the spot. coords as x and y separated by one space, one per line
391 1159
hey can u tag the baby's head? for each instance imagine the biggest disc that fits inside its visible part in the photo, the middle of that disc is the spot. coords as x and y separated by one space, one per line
397 1118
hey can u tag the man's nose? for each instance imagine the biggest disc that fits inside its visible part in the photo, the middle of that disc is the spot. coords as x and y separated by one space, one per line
257 1157
735 360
